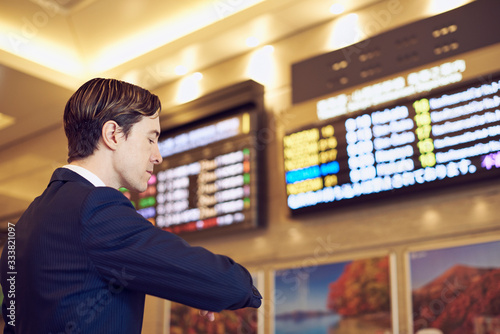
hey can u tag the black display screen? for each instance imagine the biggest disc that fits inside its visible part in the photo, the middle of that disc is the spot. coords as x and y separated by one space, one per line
443 138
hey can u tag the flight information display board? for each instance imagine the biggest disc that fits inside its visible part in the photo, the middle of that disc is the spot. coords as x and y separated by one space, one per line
444 138
208 178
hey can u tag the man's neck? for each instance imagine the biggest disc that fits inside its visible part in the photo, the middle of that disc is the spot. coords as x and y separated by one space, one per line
93 165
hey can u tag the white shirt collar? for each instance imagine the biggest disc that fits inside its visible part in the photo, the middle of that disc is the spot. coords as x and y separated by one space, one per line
88 175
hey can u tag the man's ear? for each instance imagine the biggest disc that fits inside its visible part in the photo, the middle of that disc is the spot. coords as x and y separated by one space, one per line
111 134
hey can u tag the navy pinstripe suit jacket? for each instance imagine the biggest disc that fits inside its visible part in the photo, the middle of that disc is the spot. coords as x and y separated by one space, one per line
85 260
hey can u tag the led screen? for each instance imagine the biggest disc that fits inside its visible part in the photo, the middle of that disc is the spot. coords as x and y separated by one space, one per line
445 138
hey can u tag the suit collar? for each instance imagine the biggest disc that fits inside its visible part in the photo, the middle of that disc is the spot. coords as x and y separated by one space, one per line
65 174
84 172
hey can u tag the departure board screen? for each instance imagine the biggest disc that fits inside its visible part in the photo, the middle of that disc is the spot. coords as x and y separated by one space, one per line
208 179
445 138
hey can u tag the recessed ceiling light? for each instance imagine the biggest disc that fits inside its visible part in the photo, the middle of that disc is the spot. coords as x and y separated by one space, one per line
269 49
6 120
197 76
252 41
180 70
337 8
440 6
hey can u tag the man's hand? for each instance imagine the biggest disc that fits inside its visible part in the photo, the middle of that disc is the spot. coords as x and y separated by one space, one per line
209 315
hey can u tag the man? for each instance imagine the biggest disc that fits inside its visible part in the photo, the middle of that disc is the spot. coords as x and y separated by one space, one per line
84 258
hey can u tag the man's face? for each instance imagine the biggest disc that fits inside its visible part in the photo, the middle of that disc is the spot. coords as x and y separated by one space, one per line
138 153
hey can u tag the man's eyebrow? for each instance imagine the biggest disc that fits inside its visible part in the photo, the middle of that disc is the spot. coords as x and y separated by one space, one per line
156 133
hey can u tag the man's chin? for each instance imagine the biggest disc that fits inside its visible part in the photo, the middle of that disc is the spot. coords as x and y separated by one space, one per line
141 189
138 188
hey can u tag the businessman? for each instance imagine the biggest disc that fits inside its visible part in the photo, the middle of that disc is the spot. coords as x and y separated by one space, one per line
84 259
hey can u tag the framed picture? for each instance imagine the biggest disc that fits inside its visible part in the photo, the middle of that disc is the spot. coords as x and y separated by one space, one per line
344 297
185 319
456 290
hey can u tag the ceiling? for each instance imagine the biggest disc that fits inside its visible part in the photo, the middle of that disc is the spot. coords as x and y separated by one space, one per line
48 48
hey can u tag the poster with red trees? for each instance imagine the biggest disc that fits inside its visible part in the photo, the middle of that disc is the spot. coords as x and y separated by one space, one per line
457 290
338 298
188 320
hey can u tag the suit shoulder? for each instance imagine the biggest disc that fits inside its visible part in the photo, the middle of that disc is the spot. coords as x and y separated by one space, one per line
106 196
107 192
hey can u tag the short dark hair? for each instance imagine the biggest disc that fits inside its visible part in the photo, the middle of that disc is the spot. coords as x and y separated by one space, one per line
101 100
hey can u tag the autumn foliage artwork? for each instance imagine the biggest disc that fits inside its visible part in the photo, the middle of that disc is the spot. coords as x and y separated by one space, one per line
351 297
362 288
457 290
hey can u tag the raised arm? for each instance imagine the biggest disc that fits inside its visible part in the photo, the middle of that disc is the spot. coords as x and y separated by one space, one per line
128 251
